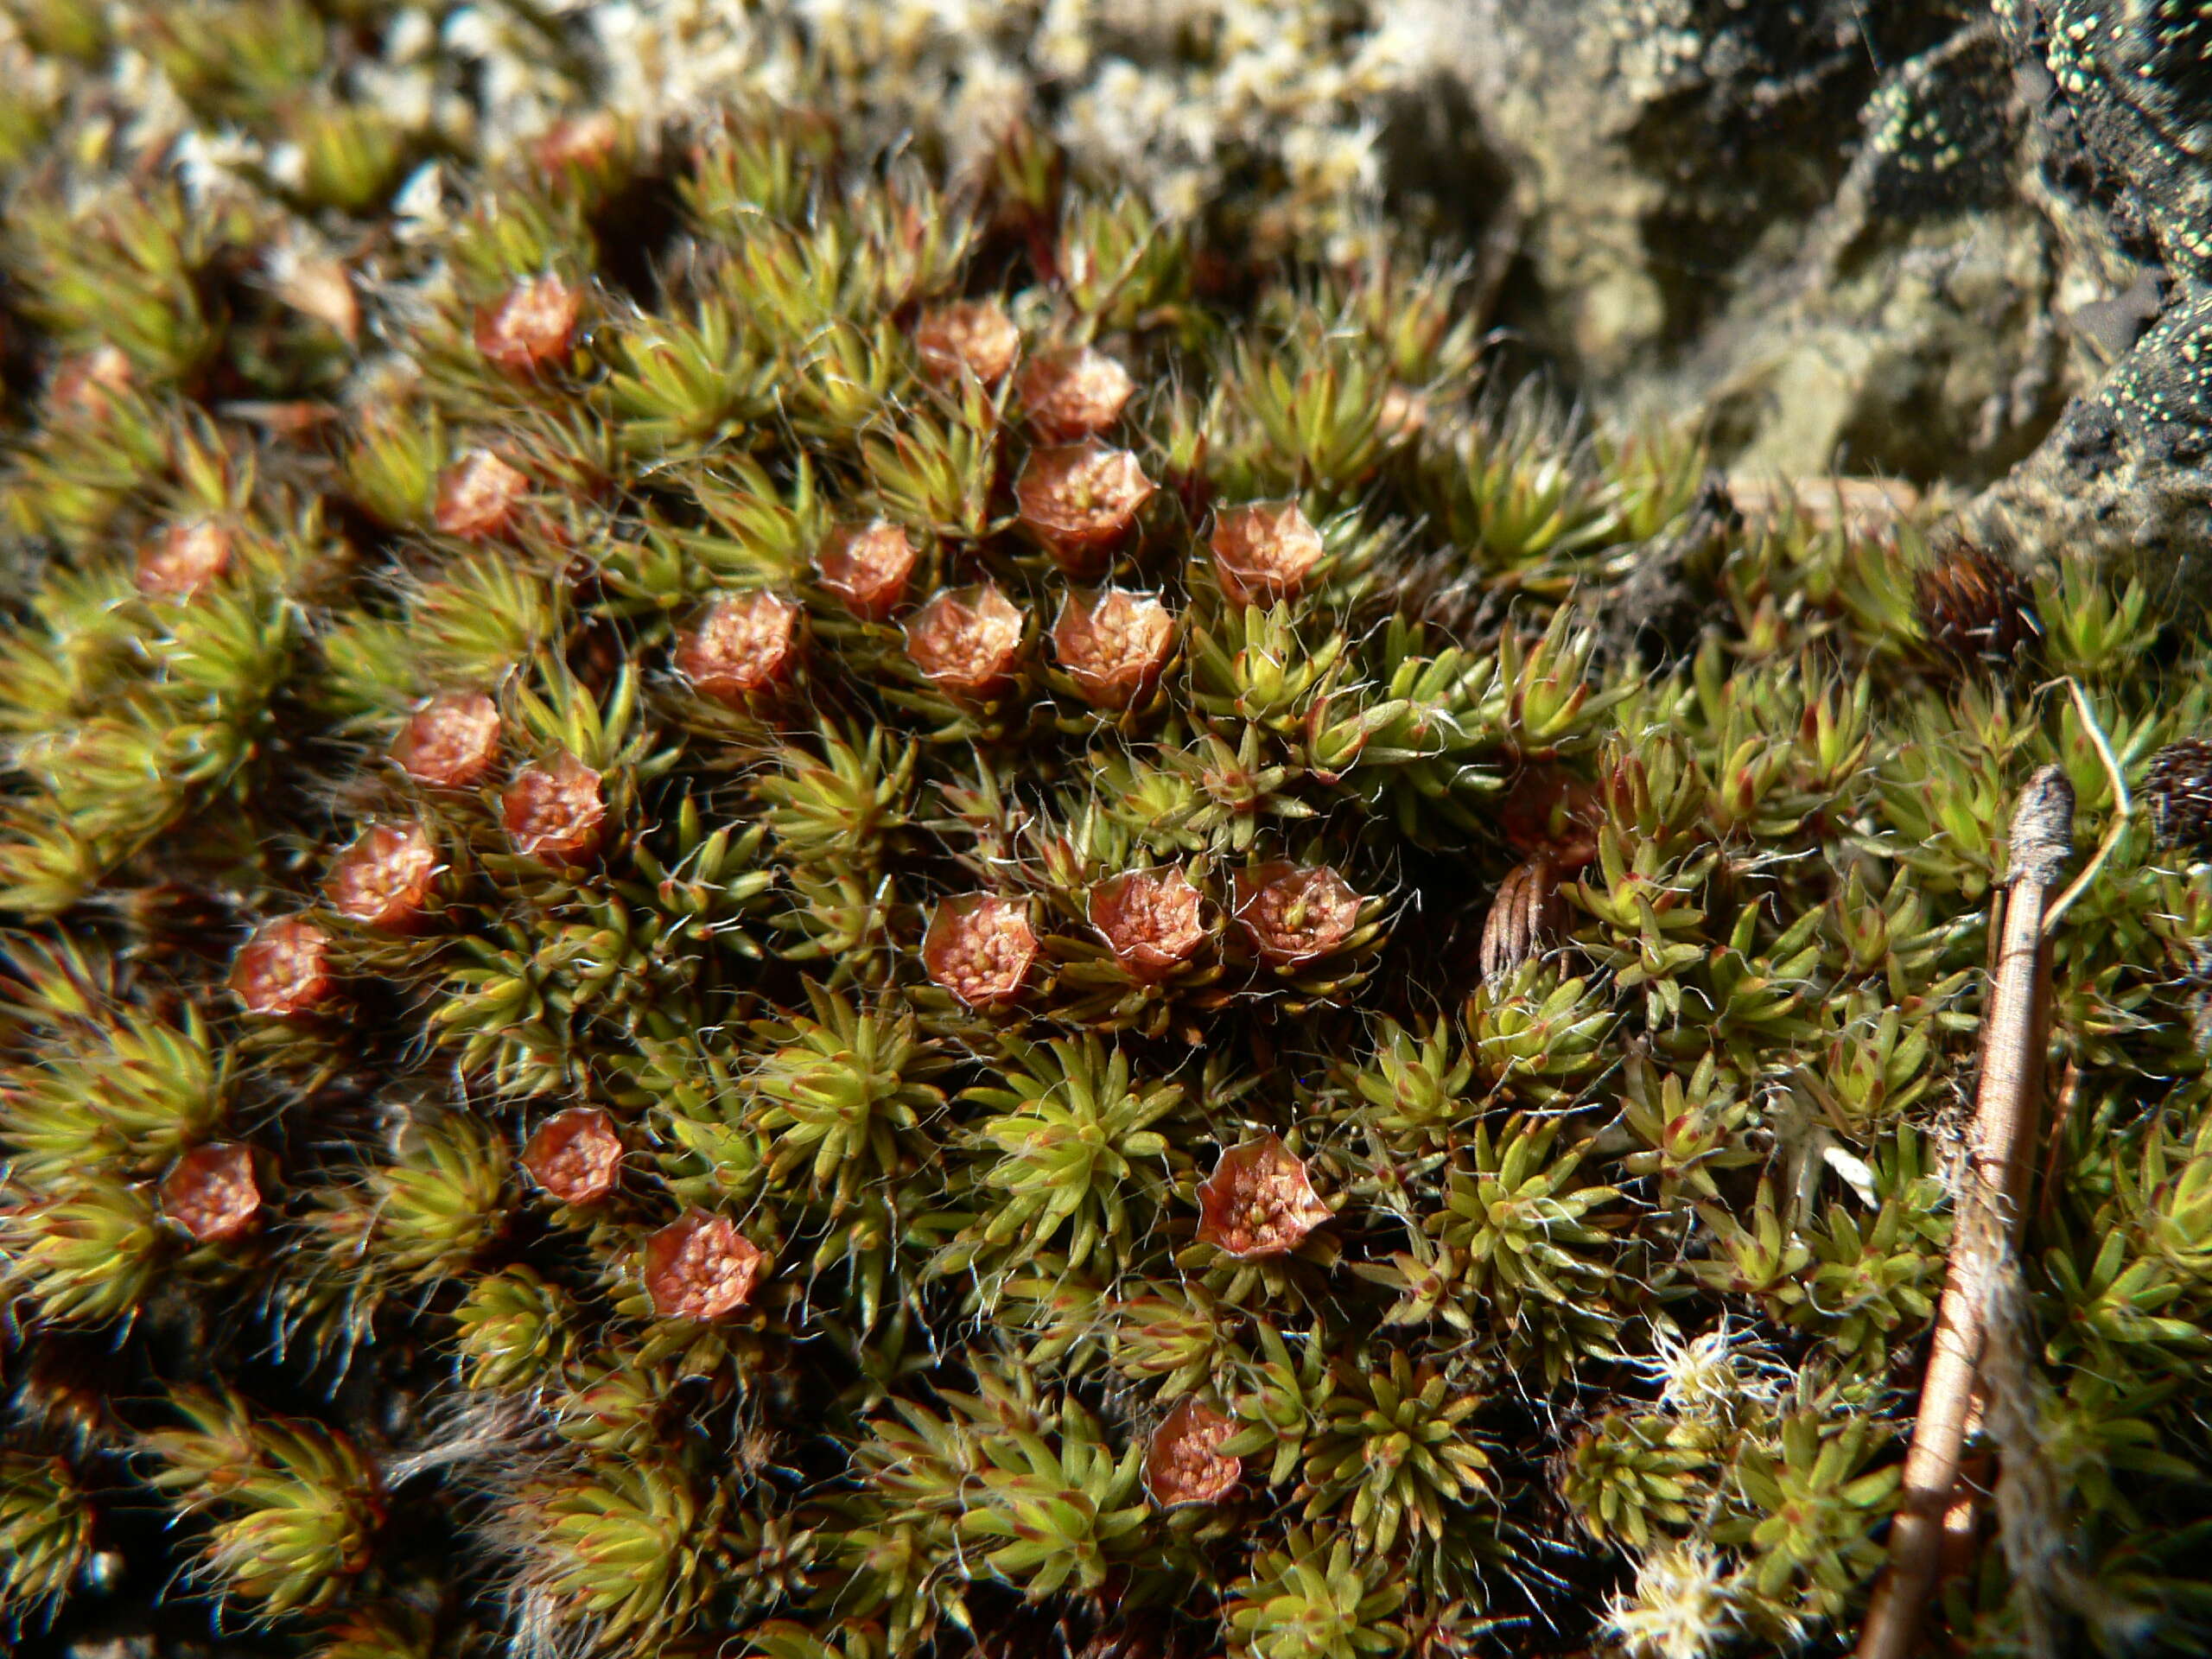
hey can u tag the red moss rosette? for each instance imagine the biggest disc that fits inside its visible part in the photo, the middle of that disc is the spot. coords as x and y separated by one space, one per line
975 335
555 814
480 497
575 1155
1258 1202
1294 914
89 383
384 880
184 558
1081 500
1184 1462
1114 646
868 567
701 1267
980 948
1153 921
532 327
1550 813
968 642
1264 551
283 969
745 648
451 741
1072 394
584 142
213 1193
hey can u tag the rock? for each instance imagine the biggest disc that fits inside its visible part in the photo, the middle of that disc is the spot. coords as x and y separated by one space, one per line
1806 215
1901 237
2124 131
2126 476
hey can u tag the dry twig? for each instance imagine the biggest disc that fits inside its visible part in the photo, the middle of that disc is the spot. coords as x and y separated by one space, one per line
1995 1179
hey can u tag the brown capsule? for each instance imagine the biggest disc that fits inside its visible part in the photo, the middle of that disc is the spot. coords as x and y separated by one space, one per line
700 1267
451 741
480 497
1114 646
1264 551
980 948
1295 913
212 1192
746 646
1080 501
532 327
1974 607
383 881
1072 394
868 567
185 558
1184 1462
283 969
967 642
1151 919
555 814
1523 920
1258 1202
2178 786
575 1155
976 336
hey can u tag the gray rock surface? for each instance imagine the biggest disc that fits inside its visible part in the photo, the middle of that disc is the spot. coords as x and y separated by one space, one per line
1964 246
2123 115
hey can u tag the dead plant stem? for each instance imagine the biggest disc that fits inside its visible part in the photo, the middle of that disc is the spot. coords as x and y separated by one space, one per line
1992 1188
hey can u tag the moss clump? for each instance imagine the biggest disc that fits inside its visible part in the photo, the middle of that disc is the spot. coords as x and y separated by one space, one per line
769 898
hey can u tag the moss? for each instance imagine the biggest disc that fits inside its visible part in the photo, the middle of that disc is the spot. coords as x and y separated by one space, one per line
692 962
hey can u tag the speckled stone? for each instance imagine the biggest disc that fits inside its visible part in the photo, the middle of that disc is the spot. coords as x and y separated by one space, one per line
2124 116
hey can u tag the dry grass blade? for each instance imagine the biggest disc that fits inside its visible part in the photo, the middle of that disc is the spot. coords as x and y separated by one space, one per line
1992 1189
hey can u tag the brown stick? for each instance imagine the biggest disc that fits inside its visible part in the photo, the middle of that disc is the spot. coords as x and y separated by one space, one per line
1988 1204
1961 1522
